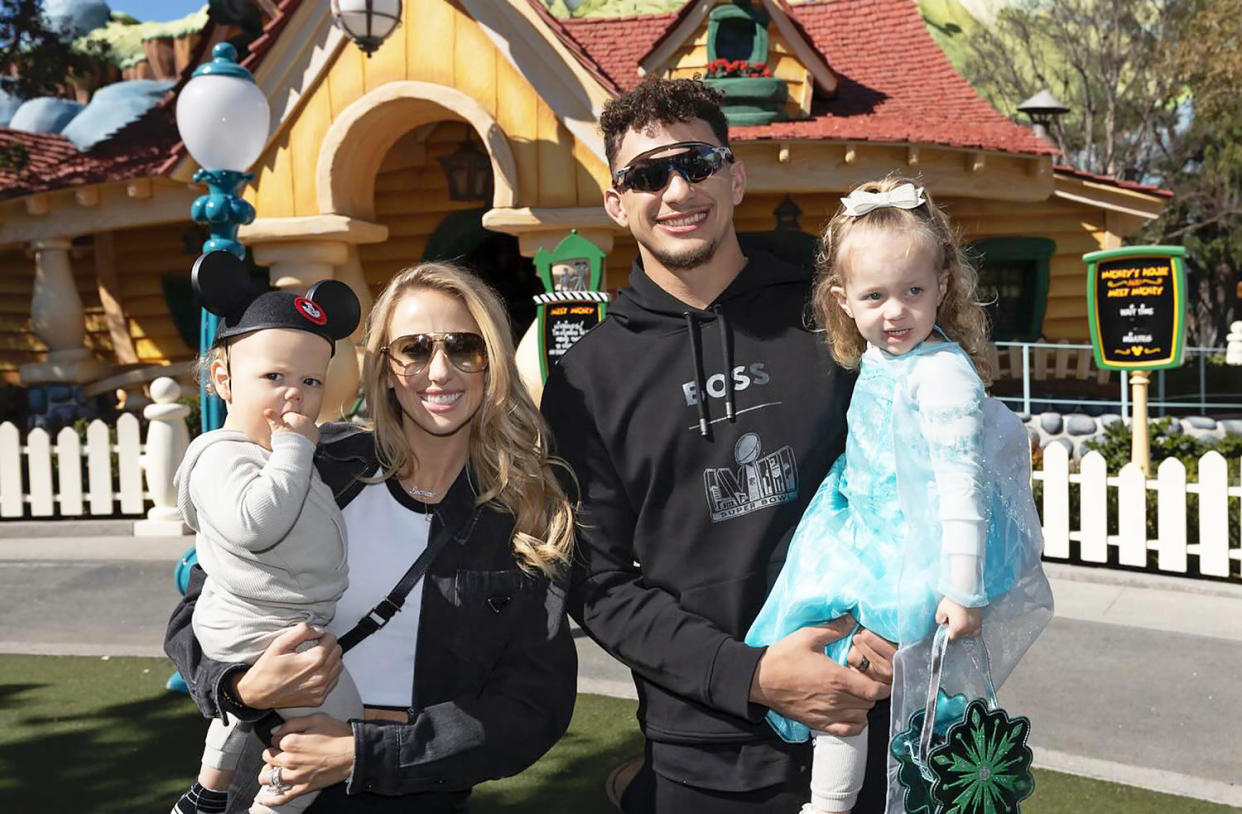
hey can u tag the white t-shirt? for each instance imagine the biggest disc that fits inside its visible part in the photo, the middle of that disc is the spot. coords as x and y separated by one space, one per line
388 529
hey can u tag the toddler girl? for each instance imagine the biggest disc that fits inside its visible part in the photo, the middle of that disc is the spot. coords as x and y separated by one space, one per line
898 531
268 530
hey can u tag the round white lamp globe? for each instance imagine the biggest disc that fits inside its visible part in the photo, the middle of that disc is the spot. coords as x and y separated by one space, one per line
223 117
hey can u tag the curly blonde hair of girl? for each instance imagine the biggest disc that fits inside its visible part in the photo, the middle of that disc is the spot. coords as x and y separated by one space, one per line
509 456
959 314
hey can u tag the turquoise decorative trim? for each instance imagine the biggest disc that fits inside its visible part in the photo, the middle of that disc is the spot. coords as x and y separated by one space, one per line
740 10
223 63
752 100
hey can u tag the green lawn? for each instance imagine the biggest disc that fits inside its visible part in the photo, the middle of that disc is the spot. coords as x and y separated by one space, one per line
73 729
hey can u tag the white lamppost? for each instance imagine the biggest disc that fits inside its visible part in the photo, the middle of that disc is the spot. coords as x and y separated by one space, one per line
224 120
367 22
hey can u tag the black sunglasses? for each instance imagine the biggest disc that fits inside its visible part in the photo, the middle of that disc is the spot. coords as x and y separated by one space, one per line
697 162
413 352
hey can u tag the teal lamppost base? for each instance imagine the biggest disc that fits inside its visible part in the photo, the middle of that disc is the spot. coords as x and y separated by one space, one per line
222 210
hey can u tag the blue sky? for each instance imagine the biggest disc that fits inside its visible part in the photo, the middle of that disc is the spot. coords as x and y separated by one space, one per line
157 10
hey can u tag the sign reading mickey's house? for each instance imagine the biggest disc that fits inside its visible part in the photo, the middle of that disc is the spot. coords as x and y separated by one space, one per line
573 303
1137 307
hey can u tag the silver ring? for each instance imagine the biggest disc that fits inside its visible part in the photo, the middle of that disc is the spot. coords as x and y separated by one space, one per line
864 664
274 782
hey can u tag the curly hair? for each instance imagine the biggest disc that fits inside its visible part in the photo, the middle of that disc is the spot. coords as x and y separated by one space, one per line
508 437
959 314
661 101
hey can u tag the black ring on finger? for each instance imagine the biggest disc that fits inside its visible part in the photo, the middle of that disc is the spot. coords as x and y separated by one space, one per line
864 664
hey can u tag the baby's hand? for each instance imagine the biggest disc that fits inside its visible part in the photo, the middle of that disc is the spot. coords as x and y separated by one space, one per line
961 621
290 421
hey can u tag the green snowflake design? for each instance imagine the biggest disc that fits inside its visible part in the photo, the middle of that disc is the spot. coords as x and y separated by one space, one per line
984 764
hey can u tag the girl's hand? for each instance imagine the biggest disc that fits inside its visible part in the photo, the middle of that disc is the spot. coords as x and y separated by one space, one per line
312 752
298 669
292 421
961 621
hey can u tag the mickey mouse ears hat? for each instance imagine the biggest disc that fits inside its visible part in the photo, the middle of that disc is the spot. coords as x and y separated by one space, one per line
222 282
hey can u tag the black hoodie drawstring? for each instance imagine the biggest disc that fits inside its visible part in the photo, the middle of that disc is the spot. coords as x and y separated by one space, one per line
696 359
726 353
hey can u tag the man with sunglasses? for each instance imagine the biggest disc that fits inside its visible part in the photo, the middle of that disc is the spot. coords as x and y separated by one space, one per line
698 418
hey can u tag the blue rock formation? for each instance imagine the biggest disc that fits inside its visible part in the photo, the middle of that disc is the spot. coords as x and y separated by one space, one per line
46 114
113 107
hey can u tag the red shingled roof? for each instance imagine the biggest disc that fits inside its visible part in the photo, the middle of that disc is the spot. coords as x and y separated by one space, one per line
39 162
616 44
918 98
896 84
1150 189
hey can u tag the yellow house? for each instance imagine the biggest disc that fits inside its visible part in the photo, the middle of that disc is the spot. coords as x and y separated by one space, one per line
95 248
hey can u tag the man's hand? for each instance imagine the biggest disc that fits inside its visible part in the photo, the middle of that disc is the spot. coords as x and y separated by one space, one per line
298 669
870 650
796 679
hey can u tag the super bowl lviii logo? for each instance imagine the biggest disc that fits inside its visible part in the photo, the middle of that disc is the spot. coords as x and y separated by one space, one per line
758 482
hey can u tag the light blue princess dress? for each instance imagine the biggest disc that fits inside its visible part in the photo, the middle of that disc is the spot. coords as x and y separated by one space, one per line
931 498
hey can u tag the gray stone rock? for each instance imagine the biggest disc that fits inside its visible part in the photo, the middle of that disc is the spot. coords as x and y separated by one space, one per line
1232 426
1199 422
1079 424
1175 428
1109 419
1050 423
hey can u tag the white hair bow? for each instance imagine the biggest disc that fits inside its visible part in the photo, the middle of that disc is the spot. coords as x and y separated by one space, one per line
860 202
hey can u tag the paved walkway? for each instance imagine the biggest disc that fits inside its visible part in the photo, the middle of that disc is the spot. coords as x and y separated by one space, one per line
1136 681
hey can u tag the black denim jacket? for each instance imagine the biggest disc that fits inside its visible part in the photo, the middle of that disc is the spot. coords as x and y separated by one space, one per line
495 672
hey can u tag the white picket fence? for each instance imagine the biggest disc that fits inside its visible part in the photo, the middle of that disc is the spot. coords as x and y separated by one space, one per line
66 494
1091 528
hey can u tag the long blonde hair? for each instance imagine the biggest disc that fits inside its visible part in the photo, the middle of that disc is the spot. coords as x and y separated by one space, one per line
959 314
508 437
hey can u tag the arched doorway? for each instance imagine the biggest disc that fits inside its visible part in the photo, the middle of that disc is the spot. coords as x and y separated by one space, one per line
424 223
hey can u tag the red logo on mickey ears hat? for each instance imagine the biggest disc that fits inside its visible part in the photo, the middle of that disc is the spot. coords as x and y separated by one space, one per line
310 312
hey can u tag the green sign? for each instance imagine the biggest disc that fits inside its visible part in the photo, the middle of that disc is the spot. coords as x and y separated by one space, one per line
573 303
1137 307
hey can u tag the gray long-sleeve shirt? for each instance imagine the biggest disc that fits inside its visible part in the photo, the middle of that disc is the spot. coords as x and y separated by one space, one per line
268 529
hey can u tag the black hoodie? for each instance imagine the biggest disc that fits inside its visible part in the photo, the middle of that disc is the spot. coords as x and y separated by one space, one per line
689 502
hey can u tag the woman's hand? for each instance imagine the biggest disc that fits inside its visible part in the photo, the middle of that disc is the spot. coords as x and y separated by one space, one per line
298 669
962 621
312 752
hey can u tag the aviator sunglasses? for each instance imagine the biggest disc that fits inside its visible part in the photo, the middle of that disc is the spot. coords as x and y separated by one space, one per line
412 353
697 162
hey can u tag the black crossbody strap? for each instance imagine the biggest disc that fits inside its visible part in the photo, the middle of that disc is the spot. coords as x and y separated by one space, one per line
380 615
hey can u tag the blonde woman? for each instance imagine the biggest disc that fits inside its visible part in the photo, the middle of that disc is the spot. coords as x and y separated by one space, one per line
473 678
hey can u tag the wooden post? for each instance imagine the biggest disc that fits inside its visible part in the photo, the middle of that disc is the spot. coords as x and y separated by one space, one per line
1140 445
